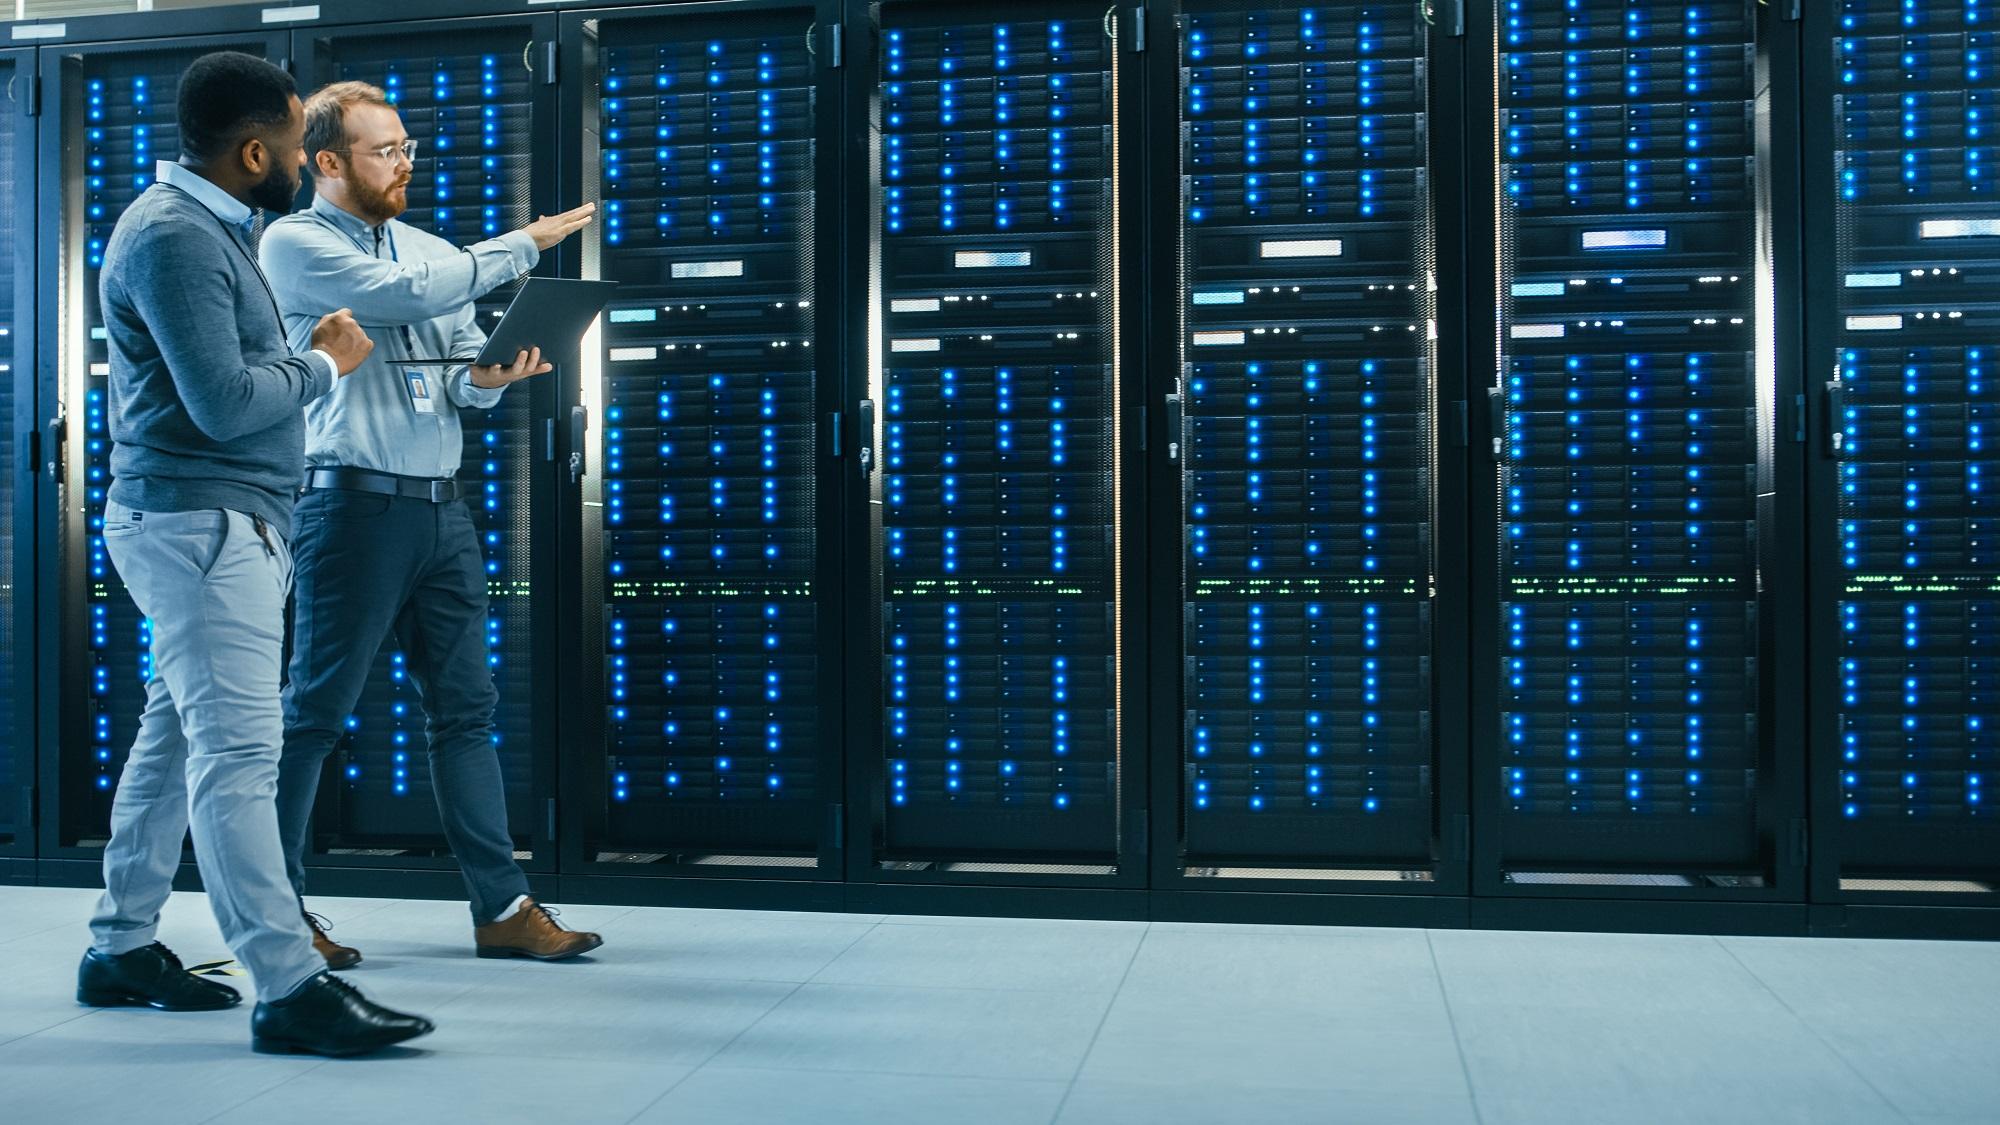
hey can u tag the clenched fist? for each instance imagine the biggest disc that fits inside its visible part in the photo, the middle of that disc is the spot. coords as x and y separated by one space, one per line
340 337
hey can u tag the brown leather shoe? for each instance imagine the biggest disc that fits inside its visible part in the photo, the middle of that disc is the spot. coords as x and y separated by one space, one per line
532 932
337 956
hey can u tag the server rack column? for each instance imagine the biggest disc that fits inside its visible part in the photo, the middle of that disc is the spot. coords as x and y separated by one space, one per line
992 446
17 471
1911 753
1309 443
116 120
466 94
702 526
1633 434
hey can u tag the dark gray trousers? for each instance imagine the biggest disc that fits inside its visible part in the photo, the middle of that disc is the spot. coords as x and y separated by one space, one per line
367 565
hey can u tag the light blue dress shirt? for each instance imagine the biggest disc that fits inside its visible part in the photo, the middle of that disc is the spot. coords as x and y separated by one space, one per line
413 294
234 213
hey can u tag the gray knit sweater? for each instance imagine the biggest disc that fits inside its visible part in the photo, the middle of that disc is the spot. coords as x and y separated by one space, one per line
207 399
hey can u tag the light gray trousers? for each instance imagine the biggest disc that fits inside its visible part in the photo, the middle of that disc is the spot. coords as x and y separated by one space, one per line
206 756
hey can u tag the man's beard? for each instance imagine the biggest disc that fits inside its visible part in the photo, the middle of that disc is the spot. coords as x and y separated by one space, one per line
376 205
277 191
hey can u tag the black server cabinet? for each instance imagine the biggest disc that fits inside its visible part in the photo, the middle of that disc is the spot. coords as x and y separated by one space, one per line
109 116
1906 230
990 449
1626 654
1318 661
705 699
478 97
20 437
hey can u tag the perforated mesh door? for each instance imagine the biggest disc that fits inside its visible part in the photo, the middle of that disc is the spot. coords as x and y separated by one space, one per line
1309 449
118 121
1918 337
1634 429
466 96
712 703
995 537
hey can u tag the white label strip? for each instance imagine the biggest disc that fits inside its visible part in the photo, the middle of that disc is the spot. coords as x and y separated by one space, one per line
297 14
1874 280
1624 239
1301 248
627 355
101 369
1537 331
42 31
928 345
1874 323
1958 228
992 259
1231 297
732 268
915 304
634 316
100 333
1214 339
1539 289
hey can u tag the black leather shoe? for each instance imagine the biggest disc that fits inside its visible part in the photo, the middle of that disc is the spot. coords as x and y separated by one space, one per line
328 1016
148 978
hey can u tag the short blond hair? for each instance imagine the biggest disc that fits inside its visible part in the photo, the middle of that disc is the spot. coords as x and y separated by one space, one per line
326 113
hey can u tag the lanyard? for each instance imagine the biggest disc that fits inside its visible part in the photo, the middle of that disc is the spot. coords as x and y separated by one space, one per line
409 337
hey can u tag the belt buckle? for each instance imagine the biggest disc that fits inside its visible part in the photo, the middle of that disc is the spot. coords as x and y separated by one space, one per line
442 491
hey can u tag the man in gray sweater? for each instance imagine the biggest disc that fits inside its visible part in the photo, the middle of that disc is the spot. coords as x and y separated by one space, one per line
207 430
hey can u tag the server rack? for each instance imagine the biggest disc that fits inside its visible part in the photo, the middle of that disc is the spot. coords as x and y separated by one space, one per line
479 96
19 448
1903 219
1847 857
1626 659
1317 533
989 743
706 667
109 116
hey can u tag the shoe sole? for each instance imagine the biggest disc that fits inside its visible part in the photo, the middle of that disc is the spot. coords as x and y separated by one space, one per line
283 1047
127 1000
338 963
514 951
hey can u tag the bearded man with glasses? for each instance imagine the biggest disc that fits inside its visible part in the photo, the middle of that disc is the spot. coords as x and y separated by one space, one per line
385 544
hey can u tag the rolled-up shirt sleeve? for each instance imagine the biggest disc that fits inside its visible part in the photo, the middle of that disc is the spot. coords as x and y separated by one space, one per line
316 271
466 339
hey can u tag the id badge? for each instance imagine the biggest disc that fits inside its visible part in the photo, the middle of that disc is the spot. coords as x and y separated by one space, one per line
419 387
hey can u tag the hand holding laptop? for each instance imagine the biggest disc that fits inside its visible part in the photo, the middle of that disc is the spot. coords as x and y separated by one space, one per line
525 364
545 316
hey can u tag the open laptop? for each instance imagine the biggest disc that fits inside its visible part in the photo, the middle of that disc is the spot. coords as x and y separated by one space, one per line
550 313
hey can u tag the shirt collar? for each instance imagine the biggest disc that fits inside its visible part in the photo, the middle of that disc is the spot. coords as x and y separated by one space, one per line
352 225
232 211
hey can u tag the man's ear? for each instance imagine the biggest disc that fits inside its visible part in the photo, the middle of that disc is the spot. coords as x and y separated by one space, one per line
256 157
325 166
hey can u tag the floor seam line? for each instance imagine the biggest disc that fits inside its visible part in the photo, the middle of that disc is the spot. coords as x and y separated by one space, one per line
747 1028
1098 1031
60 1023
1451 1021
1894 1108
288 1080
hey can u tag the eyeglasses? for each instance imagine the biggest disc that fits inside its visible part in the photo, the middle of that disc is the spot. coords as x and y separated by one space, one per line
387 154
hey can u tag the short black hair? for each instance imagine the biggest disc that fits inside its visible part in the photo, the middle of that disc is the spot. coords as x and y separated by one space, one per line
228 95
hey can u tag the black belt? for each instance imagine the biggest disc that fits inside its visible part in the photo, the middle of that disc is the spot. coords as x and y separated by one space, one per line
385 484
